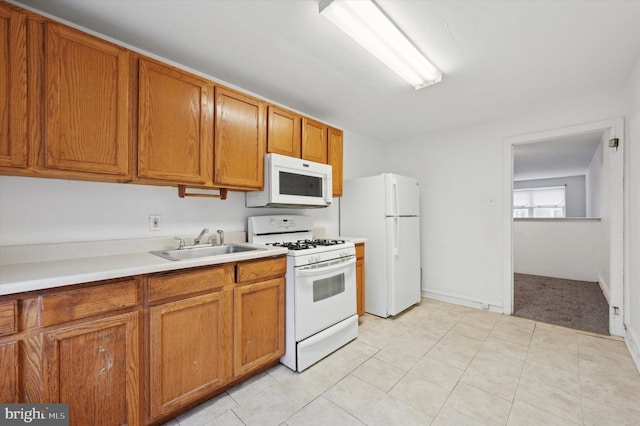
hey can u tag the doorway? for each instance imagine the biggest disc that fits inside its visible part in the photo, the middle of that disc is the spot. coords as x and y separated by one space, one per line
611 265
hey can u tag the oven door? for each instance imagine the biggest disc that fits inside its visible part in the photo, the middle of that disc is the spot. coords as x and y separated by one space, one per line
325 294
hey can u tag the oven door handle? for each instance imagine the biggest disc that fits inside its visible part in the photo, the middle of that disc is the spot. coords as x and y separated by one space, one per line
311 270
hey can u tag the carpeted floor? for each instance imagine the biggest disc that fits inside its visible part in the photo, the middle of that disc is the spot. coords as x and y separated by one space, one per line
579 305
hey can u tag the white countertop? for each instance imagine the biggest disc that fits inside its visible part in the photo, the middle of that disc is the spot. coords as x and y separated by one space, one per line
37 267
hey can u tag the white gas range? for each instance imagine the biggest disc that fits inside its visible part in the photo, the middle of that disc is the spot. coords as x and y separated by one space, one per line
321 287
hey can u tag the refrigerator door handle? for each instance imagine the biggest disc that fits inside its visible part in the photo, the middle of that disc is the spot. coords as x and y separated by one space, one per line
395 194
396 242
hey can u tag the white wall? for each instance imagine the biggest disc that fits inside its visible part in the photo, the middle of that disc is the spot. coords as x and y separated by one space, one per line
567 249
632 213
593 183
461 176
34 210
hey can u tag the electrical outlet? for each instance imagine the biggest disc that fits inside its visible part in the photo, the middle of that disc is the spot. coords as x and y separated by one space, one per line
155 222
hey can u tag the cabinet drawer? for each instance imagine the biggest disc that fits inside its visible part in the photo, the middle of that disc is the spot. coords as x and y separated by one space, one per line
360 250
8 318
75 304
166 286
261 269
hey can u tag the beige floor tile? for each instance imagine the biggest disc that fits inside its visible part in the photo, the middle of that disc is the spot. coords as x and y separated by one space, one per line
479 405
437 372
514 330
322 412
269 407
391 412
355 396
495 373
342 362
253 386
420 394
302 388
450 417
443 364
455 349
523 414
379 374
551 389
596 413
203 414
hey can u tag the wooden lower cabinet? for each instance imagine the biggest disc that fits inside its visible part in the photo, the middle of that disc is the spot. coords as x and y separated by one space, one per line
9 371
258 324
94 367
360 279
189 350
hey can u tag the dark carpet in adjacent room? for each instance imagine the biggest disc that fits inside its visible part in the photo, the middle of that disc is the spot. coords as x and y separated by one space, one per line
579 305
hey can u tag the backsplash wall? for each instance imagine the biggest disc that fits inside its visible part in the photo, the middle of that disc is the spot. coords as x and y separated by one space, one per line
36 210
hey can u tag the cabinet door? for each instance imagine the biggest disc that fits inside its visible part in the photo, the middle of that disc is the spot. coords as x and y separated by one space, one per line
87 117
13 88
189 346
283 132
314 140
94 367
9 372
239 140
335 159
258 324
175 130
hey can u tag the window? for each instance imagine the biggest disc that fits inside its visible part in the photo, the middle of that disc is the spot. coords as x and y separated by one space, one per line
539 202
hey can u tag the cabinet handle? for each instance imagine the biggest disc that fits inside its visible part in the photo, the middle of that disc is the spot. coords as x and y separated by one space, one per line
106 360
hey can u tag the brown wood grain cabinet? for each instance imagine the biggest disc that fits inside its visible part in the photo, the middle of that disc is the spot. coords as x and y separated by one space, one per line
259 309
314 141
335 144
240 133
94 367
8 352
190 338
360 278
284 132
13 87
87 96
175 125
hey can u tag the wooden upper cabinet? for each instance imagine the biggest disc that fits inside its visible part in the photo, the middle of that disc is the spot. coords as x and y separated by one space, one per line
314 140
13 88
335 159
239 140
283 132
87 113
175 128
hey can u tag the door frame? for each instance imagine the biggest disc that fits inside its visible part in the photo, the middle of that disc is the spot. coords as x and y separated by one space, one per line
615 127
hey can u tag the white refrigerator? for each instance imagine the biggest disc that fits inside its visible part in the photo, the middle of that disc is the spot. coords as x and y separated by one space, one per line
385 210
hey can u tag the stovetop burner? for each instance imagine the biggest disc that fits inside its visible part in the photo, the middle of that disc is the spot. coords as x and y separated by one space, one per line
307 244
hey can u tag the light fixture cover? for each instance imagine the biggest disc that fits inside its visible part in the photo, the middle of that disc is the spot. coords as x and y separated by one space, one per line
366 23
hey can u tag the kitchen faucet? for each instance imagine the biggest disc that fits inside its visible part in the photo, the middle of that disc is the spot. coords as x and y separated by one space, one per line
196 240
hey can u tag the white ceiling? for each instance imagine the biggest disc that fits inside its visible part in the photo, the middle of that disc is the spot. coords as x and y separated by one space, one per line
499 58
567 156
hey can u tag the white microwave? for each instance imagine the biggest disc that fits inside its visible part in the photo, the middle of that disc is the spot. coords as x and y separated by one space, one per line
294 183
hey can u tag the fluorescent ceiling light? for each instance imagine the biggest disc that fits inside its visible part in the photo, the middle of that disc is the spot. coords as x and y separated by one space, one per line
367 24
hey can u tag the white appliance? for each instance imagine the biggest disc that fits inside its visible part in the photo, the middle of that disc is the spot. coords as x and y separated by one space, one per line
320 288
293 182
385 210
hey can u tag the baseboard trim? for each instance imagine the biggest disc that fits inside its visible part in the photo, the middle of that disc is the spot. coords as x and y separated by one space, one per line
457 300
604 286
633 344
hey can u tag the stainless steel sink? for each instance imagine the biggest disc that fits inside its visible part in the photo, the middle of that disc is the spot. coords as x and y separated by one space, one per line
199 252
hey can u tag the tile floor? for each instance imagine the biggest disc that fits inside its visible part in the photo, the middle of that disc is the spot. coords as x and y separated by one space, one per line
444 364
